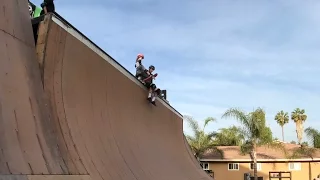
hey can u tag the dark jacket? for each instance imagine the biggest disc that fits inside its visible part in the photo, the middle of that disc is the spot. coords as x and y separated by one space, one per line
49 5
145 75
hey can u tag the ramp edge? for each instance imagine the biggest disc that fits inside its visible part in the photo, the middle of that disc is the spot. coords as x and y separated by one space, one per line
77 34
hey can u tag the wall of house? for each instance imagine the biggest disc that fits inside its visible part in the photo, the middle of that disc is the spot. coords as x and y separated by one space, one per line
221 171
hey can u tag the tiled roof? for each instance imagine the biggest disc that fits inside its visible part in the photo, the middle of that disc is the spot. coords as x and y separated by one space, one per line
233 152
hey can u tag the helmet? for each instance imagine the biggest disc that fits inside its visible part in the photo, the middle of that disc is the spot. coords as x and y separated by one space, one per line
140 55
152 67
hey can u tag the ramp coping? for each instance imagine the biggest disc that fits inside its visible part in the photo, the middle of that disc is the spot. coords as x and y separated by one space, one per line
81 37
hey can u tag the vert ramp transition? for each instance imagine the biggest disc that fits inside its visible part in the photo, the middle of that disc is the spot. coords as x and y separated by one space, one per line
80 115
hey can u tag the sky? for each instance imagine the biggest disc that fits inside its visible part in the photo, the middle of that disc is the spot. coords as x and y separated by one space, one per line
217 54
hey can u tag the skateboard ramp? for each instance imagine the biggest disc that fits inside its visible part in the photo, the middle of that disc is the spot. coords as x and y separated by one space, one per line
72 112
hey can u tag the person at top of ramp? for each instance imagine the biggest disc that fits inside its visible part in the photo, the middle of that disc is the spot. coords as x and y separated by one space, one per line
147 79
32 8
139 67
47 7
34 11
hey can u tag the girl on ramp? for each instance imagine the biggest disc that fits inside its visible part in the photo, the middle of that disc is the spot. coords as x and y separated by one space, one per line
139 67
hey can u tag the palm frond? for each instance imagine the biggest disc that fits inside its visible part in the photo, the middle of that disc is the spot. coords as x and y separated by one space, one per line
212 134
298 115
207 120
311 133
231 136
244 133
238 115
201 141
190 138
303 152
192 122
282 118
193 125
278 146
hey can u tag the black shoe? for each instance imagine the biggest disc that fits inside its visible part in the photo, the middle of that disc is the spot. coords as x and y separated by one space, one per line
154 103
149 99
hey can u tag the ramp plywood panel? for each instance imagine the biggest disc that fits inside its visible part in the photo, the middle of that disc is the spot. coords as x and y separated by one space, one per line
116 132
28 135
15 20
71 160
17 118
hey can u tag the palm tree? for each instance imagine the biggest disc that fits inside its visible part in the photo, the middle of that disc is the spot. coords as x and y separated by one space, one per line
282 118
314 136
231 136
201 142
299 118
253 124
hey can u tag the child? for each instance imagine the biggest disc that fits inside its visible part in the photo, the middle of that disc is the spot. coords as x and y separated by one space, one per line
140 57
32 8
148 81
139 67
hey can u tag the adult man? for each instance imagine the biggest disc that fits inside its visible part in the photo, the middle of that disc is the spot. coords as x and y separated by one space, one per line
47 7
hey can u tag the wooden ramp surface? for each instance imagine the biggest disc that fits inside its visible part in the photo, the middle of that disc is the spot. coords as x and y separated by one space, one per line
80 115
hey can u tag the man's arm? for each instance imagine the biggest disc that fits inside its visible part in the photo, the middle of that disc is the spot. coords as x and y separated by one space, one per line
44 6
45 9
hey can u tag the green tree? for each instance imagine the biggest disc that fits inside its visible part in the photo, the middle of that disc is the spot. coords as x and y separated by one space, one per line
201 141
266 135
253 125
299 118
231 136
282 118
314 136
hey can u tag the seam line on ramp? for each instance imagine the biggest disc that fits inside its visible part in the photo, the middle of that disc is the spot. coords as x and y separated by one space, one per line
13 36
65 117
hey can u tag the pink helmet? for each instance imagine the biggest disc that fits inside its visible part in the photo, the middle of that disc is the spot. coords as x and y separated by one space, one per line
140 55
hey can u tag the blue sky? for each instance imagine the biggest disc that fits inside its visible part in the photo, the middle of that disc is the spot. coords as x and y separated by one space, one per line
213 55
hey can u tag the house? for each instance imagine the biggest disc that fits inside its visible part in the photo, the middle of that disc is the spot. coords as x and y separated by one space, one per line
272 164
